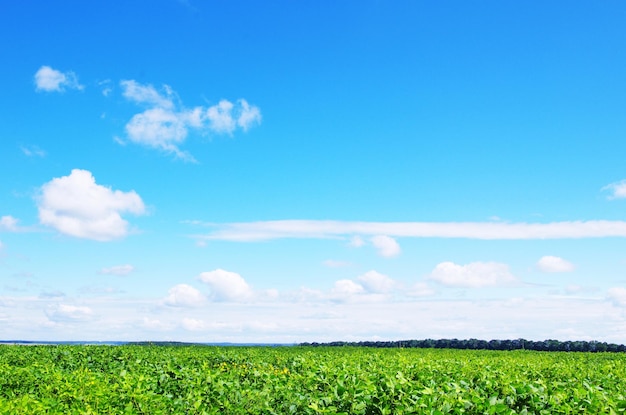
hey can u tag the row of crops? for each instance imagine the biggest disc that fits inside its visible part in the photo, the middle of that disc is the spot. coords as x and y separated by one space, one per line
303 380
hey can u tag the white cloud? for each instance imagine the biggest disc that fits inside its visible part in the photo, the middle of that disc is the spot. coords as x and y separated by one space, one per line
52 80
8 223
347 287
375 282
118 270
67 312
355 241
33 151
249 115
472 275
75 205
193 324
617 295
183 295
227 286
147 94
159 128
257 231
166 123
617 190
220 117
332 263
387 247
552 264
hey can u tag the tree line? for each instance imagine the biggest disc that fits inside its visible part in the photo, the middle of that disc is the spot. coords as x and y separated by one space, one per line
476 344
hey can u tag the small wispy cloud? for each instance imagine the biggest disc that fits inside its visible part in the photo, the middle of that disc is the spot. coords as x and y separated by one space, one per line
9 224
554 264
119 270
52 80
33 151
332 263
617 190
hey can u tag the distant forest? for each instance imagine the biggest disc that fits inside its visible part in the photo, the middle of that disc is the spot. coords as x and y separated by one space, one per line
475 344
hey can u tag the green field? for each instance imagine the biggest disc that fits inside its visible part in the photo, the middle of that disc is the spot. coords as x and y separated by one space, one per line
303 380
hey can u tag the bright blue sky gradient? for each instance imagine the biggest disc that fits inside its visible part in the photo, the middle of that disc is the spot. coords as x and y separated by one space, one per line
484 142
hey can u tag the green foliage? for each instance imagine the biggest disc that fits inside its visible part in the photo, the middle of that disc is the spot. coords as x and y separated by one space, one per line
303 380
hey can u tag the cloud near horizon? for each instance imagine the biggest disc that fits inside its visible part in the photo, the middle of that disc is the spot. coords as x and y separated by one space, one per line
472 275
327 229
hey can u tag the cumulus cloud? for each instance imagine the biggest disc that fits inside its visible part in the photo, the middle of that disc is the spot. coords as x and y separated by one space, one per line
280 229
75 205
617 190
68 313
347 287
553 264
387 247
52 80
8 223
226 285
118 270
183 295
165 123
375 282
472 275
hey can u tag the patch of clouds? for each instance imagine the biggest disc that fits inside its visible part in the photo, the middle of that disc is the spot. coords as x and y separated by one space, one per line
353 231
106 87
193 324
184 295
554 264
375 282
8 224
421 289
227 286
69 313
119 270
52 294
165 124
154 324
331 263
33 151
617 295
77 206
53 80
355 241
617 190
472 275
387 247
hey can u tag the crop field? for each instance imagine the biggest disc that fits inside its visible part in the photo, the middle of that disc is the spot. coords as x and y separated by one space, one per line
304 380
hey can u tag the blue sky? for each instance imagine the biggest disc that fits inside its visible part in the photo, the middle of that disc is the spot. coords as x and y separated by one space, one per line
291 171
